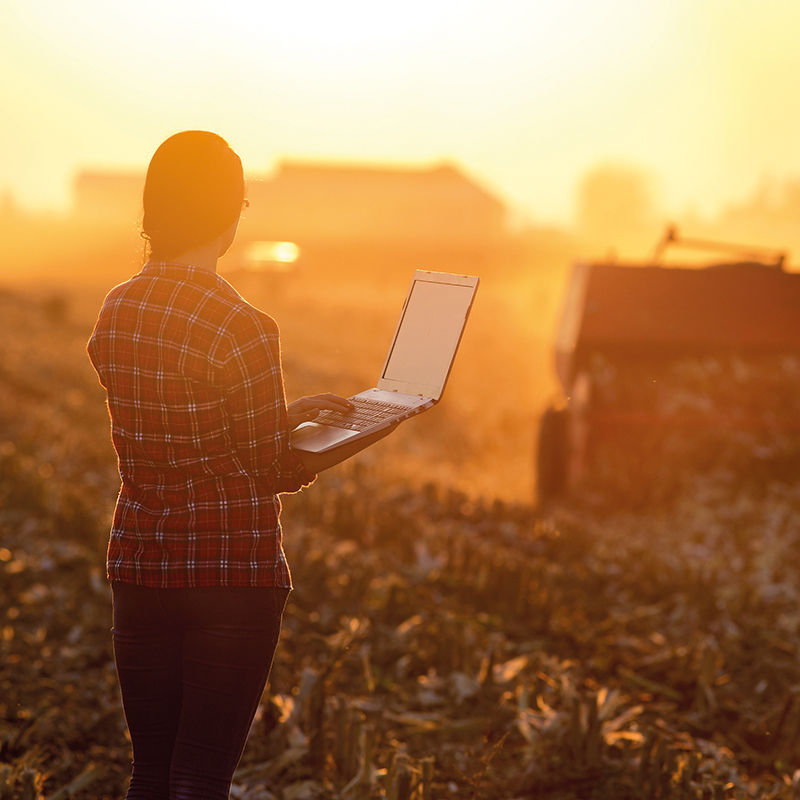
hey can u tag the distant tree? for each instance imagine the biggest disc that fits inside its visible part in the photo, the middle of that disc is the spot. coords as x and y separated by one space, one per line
8 204
617 207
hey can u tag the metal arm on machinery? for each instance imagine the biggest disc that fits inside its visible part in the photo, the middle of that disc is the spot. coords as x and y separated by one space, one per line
767 256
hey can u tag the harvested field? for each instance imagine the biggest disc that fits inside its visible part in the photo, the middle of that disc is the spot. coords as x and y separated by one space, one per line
445 639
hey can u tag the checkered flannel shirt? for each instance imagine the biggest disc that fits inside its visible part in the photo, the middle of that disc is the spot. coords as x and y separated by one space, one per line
200 426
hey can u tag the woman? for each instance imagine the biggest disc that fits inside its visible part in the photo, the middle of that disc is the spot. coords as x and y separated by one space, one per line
201 428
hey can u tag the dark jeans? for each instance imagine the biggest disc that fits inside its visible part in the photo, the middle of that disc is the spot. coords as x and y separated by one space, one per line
192 664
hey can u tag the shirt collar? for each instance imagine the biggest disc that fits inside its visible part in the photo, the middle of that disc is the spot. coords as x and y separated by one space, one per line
186 272
170 266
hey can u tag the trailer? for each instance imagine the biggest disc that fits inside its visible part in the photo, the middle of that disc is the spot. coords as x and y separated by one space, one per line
671 368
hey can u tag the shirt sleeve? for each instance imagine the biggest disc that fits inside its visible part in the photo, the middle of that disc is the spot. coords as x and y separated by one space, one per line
256 404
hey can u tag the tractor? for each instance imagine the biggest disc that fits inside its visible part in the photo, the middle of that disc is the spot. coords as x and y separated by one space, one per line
667 371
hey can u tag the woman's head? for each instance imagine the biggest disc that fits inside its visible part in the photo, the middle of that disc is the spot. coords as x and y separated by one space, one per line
193 192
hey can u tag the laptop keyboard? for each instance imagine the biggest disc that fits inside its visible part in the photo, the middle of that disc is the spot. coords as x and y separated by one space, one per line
365 414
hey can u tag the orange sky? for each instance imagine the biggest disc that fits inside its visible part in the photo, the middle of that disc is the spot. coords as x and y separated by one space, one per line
525 95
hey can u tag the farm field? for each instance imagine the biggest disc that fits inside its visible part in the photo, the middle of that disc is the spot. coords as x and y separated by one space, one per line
445 639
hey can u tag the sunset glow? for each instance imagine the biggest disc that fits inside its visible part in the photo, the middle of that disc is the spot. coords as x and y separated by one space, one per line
527 96
272 255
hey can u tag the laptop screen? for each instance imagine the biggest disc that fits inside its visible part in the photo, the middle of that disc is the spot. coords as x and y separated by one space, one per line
428 334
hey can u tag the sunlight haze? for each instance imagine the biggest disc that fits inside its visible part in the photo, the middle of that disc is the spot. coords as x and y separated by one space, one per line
524 96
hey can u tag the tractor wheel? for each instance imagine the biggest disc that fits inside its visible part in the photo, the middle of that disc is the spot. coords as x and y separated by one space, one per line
551 455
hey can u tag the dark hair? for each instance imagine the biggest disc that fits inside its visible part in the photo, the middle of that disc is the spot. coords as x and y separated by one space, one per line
193 191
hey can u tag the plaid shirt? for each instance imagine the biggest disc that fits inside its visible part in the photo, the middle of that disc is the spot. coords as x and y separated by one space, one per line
200 426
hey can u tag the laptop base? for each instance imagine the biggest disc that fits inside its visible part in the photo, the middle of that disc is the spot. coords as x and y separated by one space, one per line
313 437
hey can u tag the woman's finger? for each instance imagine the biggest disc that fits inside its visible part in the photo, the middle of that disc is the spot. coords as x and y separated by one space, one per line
331 401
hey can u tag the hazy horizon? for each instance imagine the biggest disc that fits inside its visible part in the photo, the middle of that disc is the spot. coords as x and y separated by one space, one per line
525 97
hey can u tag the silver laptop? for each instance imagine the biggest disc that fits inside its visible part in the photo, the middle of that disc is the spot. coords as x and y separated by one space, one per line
416 368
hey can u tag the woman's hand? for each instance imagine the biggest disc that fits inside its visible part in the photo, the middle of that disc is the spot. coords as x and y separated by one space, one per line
317 462
306 408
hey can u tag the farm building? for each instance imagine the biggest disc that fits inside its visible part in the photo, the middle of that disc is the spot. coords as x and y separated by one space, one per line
434 208
335 203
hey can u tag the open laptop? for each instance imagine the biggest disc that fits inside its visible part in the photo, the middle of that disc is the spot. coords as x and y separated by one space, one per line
416 368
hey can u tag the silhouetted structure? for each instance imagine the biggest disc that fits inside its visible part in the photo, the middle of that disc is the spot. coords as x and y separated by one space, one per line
334 203
435 212
114 198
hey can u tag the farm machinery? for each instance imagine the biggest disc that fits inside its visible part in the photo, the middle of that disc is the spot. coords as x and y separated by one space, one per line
668 371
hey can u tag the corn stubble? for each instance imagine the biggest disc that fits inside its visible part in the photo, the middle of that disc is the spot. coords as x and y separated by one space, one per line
437 645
